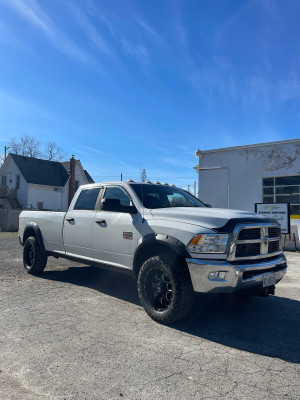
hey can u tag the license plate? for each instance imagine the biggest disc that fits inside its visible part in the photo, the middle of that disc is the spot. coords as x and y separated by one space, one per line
269 280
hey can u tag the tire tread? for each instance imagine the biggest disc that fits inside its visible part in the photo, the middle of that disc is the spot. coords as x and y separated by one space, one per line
40 257
184 290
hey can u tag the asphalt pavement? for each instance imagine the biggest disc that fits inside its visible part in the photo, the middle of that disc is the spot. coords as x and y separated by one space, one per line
79 332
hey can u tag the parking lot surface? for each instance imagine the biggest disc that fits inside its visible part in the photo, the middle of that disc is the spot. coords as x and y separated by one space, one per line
78 332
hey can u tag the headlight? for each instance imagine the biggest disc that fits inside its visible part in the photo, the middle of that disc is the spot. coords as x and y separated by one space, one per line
208 243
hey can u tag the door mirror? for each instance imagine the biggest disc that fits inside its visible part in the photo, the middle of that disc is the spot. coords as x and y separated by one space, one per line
116 206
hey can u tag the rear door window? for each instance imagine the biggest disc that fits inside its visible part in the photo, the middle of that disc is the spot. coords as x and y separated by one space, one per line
87 199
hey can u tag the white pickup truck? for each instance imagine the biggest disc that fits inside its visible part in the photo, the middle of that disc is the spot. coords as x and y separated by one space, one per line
174 244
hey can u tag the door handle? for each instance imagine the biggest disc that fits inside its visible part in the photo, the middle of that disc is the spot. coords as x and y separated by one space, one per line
70 219
100 221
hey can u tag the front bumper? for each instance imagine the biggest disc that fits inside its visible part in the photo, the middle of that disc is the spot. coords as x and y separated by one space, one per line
212 276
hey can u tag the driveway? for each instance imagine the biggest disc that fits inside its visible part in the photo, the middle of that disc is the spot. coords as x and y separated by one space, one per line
79 332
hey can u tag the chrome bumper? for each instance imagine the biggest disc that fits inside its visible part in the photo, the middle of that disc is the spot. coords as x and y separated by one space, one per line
210 276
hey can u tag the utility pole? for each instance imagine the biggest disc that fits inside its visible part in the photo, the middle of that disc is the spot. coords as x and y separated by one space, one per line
195 188
5 149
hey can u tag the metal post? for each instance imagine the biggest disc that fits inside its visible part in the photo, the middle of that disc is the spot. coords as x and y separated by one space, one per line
5 148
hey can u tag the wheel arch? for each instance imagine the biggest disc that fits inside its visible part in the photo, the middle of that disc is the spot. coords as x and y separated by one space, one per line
155 244
32 229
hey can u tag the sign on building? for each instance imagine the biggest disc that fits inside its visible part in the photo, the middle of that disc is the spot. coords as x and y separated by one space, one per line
278 211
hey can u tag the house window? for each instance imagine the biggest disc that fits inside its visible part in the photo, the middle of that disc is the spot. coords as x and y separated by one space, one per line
283 189
3 180
18 182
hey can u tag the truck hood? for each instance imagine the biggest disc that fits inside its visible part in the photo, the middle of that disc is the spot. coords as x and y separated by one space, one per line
211 218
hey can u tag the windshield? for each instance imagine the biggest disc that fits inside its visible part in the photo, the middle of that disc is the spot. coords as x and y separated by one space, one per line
163 196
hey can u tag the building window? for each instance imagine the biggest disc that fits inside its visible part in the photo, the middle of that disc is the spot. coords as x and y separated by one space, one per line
18 182
3 180
283 189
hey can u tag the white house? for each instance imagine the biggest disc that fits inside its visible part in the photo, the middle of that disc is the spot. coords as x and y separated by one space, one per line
27 182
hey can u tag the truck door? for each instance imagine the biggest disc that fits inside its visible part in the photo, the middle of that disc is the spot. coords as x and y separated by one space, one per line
79 223
116 233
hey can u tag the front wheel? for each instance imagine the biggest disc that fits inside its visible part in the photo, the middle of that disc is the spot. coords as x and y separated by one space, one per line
165 289
34 257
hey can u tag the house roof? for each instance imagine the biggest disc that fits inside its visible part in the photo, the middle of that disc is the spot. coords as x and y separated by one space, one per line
66 165
41 172
88 177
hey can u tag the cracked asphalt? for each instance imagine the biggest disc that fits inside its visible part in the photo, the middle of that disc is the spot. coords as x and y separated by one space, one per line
79 332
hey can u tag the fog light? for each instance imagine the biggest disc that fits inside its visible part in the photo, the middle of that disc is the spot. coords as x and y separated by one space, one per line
217 276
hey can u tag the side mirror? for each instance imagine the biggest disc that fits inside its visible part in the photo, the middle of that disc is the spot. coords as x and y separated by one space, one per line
115 206
208 205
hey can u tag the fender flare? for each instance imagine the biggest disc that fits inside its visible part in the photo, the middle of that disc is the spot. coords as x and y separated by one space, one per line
168 241
33 226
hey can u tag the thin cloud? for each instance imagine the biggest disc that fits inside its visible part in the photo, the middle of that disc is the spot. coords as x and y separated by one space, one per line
91 149
138 51
9 38
93 11
32 12
174 161
290 88
15 107
19 106
151 32
90 31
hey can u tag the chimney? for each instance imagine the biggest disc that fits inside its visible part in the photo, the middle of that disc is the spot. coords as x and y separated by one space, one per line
72 179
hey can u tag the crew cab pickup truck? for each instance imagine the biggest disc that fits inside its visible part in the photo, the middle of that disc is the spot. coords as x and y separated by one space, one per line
173 244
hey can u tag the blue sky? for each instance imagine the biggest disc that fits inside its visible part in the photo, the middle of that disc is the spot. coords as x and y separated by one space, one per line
125 85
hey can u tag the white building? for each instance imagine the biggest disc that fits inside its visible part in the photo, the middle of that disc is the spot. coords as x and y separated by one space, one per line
27 182
239 177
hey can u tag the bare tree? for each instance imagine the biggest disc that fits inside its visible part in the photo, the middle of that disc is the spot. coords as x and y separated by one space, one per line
53 152
15 145
29 146
26 146
144 175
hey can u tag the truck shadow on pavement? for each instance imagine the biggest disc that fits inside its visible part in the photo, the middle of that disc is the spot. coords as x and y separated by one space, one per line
266 326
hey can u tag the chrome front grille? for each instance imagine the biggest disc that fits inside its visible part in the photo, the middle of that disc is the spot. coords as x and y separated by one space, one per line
248 234
247 249
254 242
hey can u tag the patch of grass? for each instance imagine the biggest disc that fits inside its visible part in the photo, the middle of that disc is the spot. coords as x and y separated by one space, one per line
2 234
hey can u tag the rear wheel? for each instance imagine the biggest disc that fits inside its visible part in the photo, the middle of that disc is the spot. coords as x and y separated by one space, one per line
34 257
165 289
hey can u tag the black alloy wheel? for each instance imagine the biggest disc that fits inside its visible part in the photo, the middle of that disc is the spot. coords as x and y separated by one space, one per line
34 257
165 289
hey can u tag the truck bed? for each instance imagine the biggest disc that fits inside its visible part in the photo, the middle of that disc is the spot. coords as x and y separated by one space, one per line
50 224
